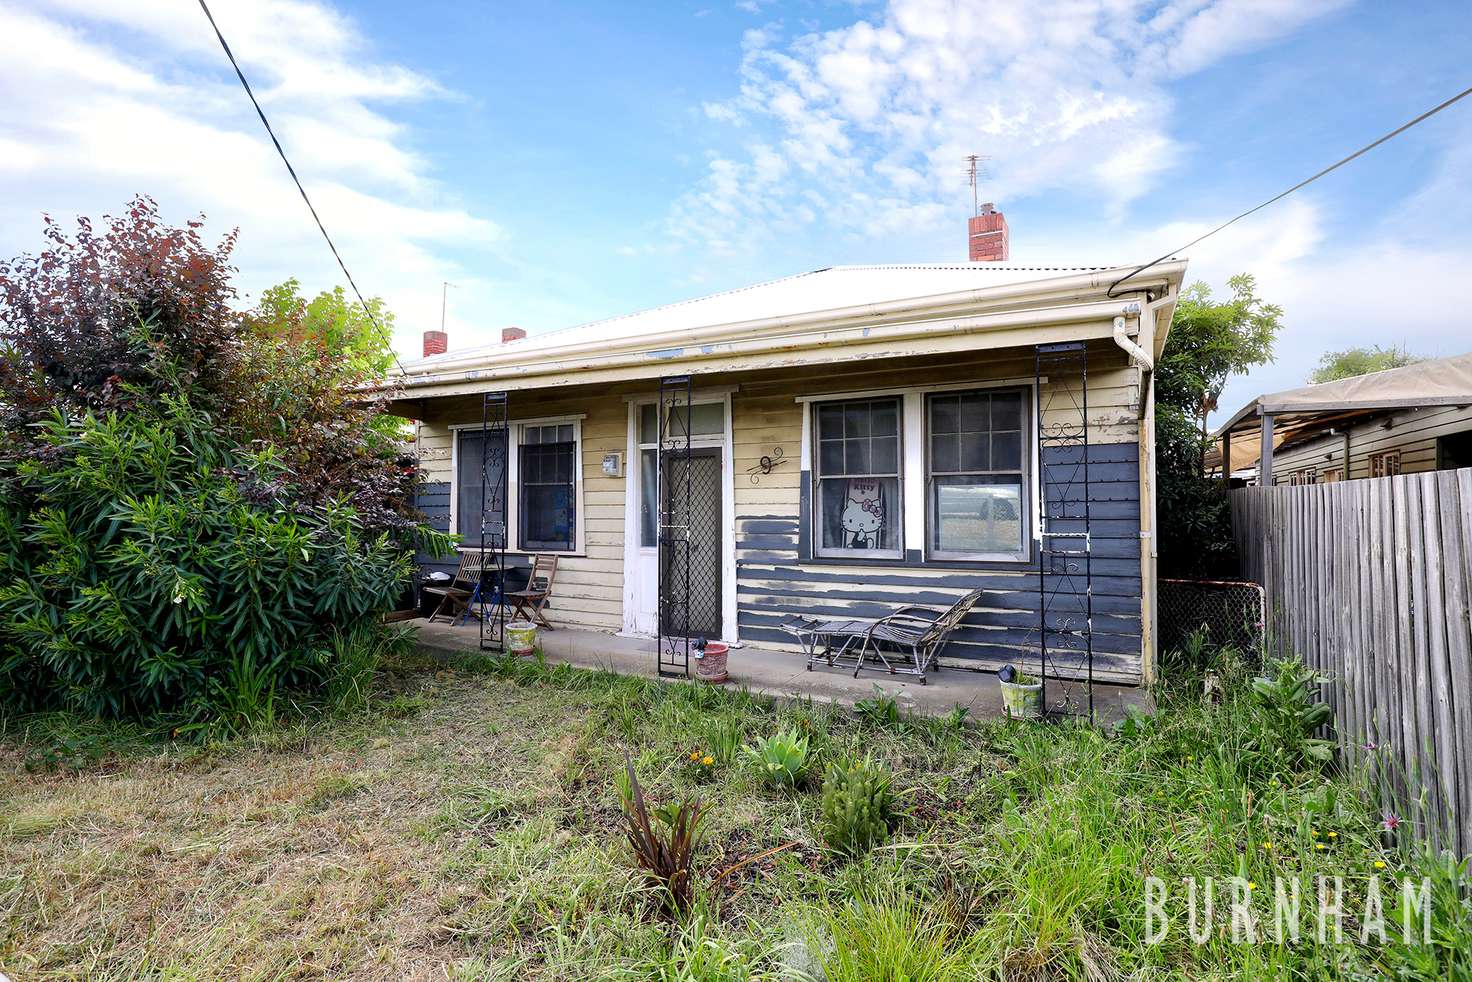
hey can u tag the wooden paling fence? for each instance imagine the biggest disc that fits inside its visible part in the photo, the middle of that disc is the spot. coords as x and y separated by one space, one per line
1370 582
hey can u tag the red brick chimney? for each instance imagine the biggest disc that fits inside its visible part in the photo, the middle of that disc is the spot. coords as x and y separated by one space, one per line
509 334
435 343
987 233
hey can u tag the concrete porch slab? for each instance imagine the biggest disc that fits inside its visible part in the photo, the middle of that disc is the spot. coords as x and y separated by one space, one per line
782 674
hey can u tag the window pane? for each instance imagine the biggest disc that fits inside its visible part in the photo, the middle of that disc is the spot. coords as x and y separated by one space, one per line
885 419
708 418
945 452
1007 451
547 471
564 433
648 498
856 457
648 424
975 452
977 515
976 413
856 419
547 517
884 454
830 457
830 422
945 414
1007 411
859 514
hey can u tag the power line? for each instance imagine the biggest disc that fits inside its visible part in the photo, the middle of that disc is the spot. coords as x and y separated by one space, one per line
1301 184
383 335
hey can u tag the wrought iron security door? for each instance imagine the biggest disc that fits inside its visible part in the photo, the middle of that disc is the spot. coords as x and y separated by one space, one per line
697 568
489 589
675 486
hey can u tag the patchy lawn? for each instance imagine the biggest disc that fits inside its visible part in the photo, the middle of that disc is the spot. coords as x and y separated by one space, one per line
467 825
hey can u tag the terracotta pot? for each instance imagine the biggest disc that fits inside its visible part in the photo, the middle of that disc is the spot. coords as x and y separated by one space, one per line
710 666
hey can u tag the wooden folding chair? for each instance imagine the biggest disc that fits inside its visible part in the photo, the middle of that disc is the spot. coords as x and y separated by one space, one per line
528 603
456 596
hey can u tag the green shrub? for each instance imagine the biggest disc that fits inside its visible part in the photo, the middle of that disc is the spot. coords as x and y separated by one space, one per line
857 808
782 757
1289 714
146 566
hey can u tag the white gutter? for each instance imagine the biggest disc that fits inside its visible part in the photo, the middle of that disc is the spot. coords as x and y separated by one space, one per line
579 361
1062 288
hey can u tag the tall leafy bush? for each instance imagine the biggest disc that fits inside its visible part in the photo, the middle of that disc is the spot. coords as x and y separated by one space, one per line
199 508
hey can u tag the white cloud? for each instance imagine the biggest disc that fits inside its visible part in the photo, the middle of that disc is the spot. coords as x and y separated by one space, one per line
875 118
104 101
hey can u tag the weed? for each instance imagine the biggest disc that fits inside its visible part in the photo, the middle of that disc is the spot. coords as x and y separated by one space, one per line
782 758
880 710
663 840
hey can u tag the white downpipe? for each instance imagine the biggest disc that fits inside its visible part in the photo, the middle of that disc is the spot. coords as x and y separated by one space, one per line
1138 355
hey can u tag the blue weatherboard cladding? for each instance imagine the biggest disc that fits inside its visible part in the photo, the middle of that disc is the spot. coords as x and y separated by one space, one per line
434 500
773 583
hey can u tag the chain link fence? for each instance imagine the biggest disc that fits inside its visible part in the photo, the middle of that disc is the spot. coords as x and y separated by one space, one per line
1228 612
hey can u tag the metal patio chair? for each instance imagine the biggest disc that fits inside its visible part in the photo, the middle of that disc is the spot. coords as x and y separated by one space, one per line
919 633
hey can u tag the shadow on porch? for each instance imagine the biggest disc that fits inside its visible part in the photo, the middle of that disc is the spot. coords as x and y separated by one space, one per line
781 674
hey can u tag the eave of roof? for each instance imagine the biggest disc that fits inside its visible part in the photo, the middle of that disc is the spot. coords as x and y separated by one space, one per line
694 331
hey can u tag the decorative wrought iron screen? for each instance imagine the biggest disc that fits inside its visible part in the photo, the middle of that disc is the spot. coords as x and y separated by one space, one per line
1065 530
489 588
676 485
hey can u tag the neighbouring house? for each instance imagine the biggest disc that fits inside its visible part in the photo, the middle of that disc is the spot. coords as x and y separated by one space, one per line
862 437
1399 421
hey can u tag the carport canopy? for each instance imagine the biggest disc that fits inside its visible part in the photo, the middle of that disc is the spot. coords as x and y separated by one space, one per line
1279 417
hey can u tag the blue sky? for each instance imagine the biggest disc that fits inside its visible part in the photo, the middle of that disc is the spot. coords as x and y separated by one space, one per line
560 162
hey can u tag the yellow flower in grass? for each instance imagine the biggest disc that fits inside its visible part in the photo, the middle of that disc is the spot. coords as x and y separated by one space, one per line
707 760
1318 845
695 755
1315 833
1267 845
1251 885
1379 864
1333 834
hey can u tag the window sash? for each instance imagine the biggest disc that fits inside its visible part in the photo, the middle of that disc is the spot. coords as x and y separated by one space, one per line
548 479
977 438
468 491
856 441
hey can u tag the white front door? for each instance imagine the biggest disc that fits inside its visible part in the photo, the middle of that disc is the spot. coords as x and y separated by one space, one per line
711 426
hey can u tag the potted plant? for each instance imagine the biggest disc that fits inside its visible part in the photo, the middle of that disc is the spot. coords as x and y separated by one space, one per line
1022 694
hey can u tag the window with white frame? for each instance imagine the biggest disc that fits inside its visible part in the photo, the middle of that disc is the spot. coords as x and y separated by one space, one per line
976 480
547 479
541 513
857 463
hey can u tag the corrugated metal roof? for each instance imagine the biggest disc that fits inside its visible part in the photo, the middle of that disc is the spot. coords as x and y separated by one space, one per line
817 290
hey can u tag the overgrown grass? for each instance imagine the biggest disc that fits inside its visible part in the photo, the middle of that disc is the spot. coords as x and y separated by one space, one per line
468 825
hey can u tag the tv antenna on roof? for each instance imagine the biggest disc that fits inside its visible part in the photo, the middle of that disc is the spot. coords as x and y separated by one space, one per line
445 301
975 170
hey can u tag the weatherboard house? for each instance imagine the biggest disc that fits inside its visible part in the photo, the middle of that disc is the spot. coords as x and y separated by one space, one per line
850 440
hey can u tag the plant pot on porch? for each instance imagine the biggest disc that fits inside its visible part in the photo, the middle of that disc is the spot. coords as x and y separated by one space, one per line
521 637
1022 698
710 663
